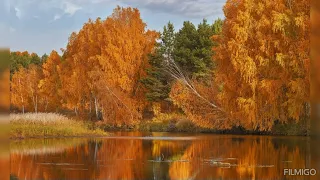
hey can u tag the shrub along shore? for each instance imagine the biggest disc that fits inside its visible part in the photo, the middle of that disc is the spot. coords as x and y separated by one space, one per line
52 125
180 123
47 125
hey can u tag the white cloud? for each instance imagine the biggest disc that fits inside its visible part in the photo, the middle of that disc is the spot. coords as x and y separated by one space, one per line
185 8
70 8
56 17
18 12
37 15
189 8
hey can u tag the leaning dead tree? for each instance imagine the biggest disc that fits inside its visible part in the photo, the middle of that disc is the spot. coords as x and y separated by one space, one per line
173 69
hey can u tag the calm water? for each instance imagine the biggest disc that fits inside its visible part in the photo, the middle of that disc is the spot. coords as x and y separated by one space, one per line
163 156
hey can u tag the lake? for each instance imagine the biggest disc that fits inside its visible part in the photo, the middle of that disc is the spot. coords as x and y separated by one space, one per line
163 156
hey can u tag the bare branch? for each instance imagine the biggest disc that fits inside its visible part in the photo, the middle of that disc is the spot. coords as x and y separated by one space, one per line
172 68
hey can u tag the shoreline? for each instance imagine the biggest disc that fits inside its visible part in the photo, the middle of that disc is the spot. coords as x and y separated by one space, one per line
212 132
277 130
50 125
111 134
57 137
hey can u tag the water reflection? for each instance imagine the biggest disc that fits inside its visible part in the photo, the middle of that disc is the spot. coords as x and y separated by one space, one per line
166 157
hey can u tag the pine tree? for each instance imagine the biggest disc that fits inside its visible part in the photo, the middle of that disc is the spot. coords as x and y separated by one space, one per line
158 82
193 48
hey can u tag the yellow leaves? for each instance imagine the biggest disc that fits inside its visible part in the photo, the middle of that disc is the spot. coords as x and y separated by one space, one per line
267 45
298 87
105 61
156 108
260 8
179 94
246 103
41 84
262 61
300 20
196 109
249 70
280 58
241 34
280 21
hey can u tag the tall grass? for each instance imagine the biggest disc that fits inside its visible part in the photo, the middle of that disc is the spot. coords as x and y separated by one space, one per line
30 125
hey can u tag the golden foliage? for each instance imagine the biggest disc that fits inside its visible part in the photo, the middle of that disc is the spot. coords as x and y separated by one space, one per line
104 63
263 61
198 110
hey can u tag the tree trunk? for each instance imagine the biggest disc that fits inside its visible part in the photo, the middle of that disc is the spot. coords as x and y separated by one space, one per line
90 111
22 100
46 106
96 107
36 105
76 111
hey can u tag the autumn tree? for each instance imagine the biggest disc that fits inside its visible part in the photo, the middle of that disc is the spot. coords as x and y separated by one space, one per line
50 85
263 62
104 63
33 78
18 89
25 90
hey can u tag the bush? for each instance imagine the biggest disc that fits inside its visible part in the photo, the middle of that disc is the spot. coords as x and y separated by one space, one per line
168 123
185 125
49 125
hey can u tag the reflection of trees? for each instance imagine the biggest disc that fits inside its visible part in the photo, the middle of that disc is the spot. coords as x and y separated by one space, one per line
215 157
73 163
249 158
165 151
4 167
112 159
121 159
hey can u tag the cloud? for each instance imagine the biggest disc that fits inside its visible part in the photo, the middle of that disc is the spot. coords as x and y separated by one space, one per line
67 8
184 8
18 12
70 8
38 17
57 17
188 8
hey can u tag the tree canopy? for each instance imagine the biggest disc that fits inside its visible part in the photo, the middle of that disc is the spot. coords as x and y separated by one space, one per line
249 70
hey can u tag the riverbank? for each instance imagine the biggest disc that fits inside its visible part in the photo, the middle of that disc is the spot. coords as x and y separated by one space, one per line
50 125
180 123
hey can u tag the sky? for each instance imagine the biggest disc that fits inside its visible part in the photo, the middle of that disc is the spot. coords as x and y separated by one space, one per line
41 26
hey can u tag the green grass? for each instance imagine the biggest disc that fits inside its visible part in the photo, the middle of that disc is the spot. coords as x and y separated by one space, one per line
37 125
